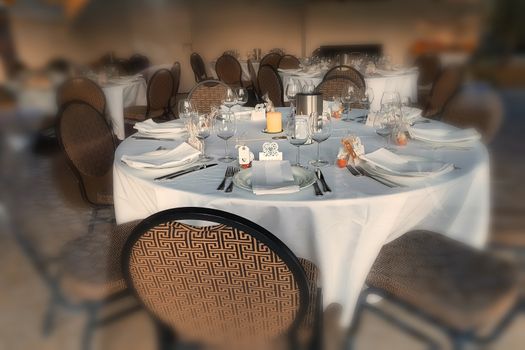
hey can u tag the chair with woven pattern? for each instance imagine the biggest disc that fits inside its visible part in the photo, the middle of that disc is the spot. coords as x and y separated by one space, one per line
158 95
443 90
272 59
289 62
336 86
175 73
270 83
81 89
349 72
207 94
468 293
229 70
231 285
198 67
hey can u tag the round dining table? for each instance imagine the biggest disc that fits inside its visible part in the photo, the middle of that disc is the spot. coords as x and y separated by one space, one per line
404 82
341 231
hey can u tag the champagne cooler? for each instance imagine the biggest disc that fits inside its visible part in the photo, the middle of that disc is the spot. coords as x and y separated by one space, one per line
307 103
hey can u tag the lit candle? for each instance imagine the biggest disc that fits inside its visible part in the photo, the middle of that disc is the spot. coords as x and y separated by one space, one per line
274 122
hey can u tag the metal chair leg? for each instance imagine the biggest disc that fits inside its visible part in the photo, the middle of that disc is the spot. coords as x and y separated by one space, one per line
48 324
89 329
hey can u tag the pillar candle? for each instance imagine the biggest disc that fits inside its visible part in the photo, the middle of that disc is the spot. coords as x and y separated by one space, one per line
274 122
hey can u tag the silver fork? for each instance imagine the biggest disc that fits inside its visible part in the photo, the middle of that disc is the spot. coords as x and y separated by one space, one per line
227 174
230 186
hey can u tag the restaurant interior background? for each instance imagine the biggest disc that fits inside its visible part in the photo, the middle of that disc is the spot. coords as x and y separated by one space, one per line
39 197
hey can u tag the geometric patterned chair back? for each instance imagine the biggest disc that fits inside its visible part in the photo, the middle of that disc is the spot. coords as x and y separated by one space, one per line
272 59
81 89
89 146
207 94
197 65
336 86
289 62
348 72
229 70
160 89
270 83
230 283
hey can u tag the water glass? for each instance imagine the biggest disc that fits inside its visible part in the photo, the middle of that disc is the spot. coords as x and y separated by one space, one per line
202 126
298 132
320 130
225 128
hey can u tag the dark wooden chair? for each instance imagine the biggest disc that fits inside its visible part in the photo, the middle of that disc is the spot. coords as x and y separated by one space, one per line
289 62
198 67
270 83
229 70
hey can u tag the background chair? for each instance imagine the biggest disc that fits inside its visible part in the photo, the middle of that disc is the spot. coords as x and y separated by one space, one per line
467 293
429 67
271 59
175 72
253 78
336 86
229 70
229 285
289 62
278 51
348 72
81 89
158 95
137 63
198 67
270 83
207 94
443 90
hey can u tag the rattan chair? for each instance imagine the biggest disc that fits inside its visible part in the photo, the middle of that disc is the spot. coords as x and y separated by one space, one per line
229 70
336 86
89 146
443 90
271 59
270 83
198 67
207 94
348 72
159 94
81 89
253 78
289 62
232 285
468 293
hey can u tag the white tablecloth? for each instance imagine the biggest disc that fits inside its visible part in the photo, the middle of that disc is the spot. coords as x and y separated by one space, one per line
120 96
405 84
343 231
244 66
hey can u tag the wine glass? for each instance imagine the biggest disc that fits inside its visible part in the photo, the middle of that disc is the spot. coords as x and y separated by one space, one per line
225 128
348 97
186 109
242 96
320 130
230 99
388 116
297 132
292 88
202 125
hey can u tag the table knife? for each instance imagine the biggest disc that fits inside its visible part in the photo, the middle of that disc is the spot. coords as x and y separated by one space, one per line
320 176
151 138
185 171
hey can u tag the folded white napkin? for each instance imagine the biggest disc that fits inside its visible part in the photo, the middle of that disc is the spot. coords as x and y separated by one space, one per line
406 165
238 110
411 114
273 177
150 127
436 134
165 158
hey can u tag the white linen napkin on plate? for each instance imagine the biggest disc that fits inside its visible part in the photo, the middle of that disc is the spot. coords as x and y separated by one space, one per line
165 158
406 165
238 111
436 134
151 128
411 114
273 177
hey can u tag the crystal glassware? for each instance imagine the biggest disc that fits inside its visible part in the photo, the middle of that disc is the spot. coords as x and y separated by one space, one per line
297 132
225 128
320 130
202 126
242 96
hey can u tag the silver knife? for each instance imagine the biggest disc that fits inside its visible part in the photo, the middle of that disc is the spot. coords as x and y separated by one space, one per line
185 171
377 178
151 138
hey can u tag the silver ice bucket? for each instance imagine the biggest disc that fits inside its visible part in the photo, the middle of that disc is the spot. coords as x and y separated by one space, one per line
307 103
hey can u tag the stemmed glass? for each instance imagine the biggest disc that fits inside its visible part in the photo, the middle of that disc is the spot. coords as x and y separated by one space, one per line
202 126
242 96
186 110
230 99
320 130
389 115
292 88
348 96
225 128
297 132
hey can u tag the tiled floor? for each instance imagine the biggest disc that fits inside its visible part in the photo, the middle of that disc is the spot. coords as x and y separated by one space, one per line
39 203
